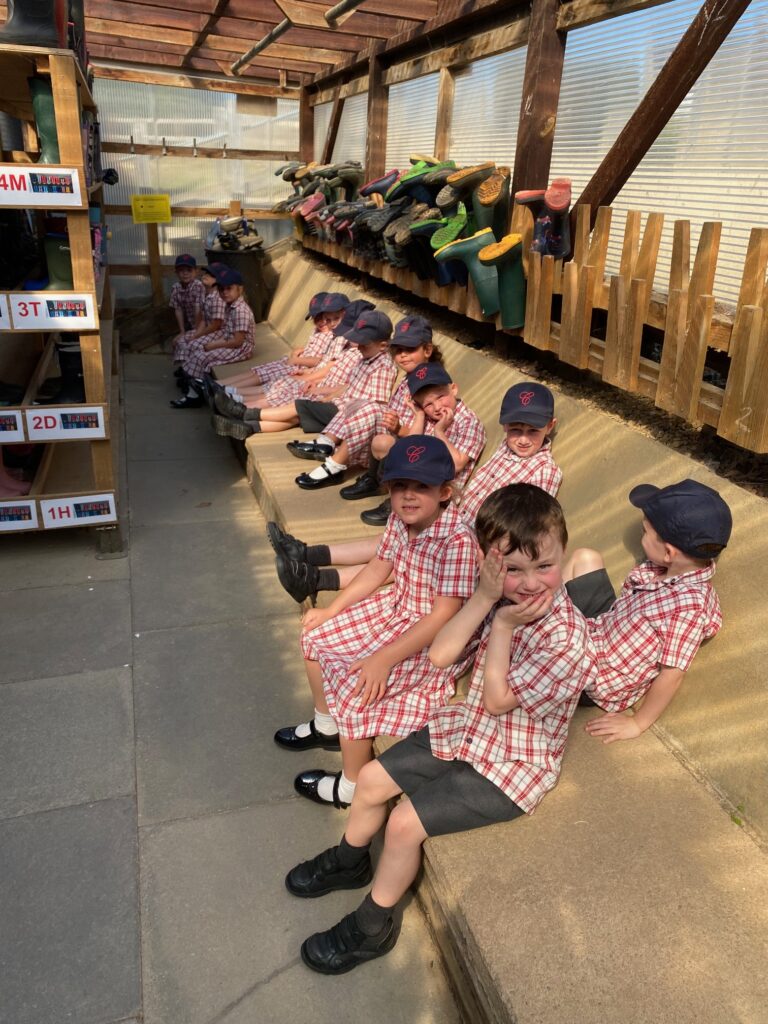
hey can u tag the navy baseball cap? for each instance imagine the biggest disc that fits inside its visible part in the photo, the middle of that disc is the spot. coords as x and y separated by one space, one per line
315 305
427 375
214 269
351 315
528 403
228 276
412 331
688 515
370 326
419 457
185 260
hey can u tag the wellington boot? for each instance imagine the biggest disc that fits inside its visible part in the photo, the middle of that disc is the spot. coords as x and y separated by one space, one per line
484 278
36 23
45 120
59 263
506 256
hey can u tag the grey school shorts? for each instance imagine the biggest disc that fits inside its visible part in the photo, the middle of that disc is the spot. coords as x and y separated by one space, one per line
448 796
313 416
592 593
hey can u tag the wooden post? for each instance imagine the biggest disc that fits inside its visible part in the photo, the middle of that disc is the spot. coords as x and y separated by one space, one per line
445 95
541 92
378 104
306 127
333 126
690 57
155 269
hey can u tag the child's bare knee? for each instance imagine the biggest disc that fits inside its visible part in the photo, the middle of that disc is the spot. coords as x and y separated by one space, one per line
586 560
380 445
371 782
404 827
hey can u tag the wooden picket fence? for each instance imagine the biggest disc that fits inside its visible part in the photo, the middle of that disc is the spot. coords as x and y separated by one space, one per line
686 314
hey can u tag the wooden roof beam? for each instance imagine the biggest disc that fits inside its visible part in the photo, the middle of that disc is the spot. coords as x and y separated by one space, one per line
209 26
156 75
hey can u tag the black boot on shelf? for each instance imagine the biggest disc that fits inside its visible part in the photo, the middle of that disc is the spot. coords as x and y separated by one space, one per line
36 23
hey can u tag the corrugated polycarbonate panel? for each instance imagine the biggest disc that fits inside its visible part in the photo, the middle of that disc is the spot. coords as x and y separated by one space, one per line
709 163
486 109
411 119
353 129
322 120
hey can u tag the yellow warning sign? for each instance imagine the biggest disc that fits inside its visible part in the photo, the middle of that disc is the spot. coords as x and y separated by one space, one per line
155 209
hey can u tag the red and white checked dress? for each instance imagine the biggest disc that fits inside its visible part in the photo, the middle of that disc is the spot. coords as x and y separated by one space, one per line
214 308
358 425
467 434
287 390
189 299
238 317
655 623
268 373
504 467
521 751
440 562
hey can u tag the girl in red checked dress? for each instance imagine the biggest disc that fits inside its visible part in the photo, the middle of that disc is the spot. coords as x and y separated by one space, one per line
211 324
235 344
366 654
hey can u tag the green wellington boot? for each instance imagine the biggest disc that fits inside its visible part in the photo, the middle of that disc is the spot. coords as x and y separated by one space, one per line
36 23
45 119
507 257
59 263
484 278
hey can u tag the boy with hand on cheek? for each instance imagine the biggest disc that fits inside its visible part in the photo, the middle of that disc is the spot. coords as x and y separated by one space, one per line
489 758
646 639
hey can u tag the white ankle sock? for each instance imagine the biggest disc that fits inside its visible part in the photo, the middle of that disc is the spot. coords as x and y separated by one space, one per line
346 789
320 474
324 724
229 389
324 439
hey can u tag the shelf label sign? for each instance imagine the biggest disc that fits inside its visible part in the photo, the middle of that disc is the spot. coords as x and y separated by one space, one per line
85 510
5 316
70 423
20 514
154 209
11 427
52 311
41 186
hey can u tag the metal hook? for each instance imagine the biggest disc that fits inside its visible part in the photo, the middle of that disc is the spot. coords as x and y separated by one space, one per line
165 148
132 148
194 147
224 152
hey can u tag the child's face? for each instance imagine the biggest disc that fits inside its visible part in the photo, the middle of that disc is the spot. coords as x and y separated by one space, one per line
525 440
373 348
432 401
417 504
208 280
327 321
185 274
409 358
654 547
528 577
230 292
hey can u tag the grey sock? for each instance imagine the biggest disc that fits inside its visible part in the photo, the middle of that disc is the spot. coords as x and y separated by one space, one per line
328 579
350 856
318 554
371 918
252 415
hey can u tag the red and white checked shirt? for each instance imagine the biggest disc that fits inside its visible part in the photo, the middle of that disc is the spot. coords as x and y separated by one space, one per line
504 467
342 366
521 751
371 379
466 433
214 307
278 368
239 317
188 299
655 623
440 562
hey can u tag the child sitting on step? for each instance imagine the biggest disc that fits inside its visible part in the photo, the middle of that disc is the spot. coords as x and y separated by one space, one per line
486 759
211 323
187 296
366 655
524 455
647 638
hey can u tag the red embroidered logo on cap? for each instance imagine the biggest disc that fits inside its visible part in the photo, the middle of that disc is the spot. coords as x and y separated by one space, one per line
404 326
526 397
359 324
414 453
422 373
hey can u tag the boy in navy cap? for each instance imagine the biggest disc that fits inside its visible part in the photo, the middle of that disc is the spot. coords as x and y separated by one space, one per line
647 638
371 380
210 326
187 296
235 344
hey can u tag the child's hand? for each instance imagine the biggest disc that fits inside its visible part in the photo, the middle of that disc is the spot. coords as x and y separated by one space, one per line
490 583
513 615
609 728
372 680
444 422
314 617
390 421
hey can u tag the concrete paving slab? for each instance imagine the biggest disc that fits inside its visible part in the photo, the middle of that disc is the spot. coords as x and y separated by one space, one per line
181 578
137 366
151 397
54 631
189 491
68 902
55 558
65 741
243 966
174 435
208 700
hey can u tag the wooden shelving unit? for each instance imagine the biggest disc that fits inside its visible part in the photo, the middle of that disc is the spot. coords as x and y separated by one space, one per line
75 480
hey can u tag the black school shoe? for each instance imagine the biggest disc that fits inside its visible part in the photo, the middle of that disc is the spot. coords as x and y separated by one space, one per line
311 483
188 402
285 543
324 874
306 784
228 406
310 450
299 579
344 947
364 487
225 426
377 516
288 740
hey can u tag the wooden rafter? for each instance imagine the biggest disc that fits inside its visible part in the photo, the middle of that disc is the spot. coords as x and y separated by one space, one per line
205 31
